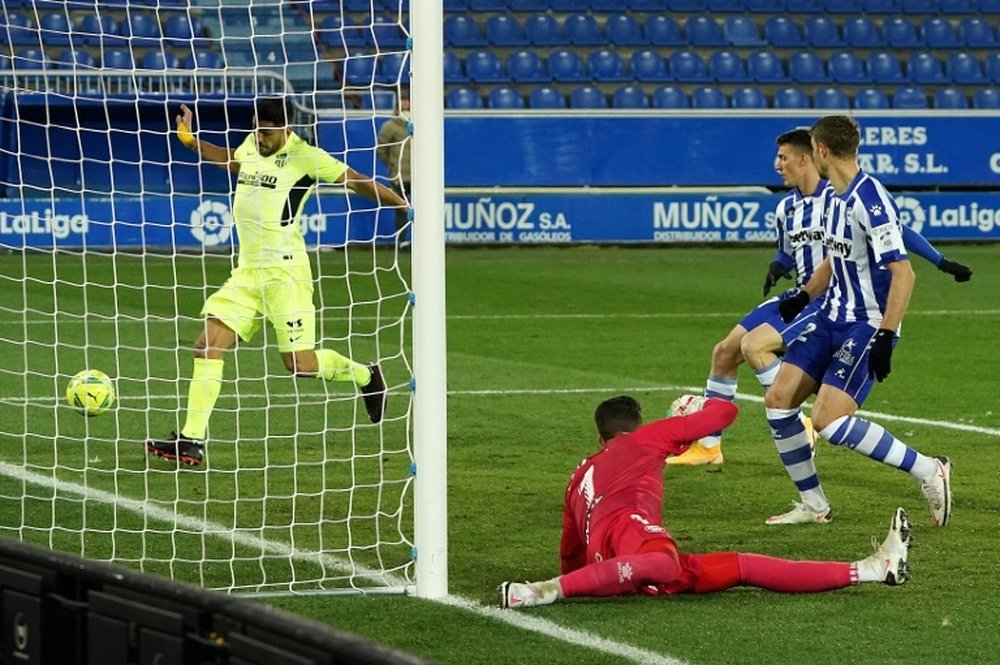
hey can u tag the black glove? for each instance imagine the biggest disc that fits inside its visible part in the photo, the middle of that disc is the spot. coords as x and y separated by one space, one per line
960 271
790 307
880 354
776 271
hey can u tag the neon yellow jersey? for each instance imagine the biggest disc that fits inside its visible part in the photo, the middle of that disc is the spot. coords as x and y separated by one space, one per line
270 194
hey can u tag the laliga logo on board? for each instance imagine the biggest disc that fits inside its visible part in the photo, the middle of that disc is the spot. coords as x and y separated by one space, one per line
211 223
911 212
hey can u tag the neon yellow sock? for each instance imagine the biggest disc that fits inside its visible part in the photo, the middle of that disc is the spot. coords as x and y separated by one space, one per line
335 367
206 382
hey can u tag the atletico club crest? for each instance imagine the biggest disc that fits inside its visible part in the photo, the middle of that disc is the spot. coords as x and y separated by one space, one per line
280 161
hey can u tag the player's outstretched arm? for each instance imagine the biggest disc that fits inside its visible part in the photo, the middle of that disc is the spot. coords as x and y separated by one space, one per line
372 189
700 417
221 157
922 247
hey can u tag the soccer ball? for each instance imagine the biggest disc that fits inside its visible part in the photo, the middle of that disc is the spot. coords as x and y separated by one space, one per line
90 392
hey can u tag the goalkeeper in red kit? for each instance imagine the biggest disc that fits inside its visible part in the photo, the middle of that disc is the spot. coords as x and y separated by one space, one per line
613 540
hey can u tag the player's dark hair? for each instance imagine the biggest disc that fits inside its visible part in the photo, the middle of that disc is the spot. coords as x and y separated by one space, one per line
840 133
276 110
616 415
797 138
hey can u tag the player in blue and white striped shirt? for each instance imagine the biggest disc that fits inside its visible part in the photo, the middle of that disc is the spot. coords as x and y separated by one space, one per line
867 280
761 335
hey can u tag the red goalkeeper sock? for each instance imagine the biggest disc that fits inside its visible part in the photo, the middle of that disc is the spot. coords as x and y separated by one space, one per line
787 576
620 576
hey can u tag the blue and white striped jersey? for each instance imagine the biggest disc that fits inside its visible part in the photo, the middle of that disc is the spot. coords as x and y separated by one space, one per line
863 234
800 222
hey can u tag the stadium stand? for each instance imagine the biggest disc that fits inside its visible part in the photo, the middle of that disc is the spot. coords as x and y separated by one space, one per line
831 98
790 98
749 98
547 98
566 66
505 98
871 98
588 97
629 97
669 97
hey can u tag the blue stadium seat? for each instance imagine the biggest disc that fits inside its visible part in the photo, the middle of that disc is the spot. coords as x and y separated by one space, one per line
463 98
54 28
849 7
989 6
181 29
688 67
939 33
392 68
359 71
525 66
160 60
884 67
790 98
462 31
725 6
624 30
484 67
484 5
976 32
648 66
662 31
608 5
340 33
727 67
606 65
766 67
505 98
831 98
703 31
845 67
964 69
782 32
821 32
899 32
528 5
543 30
566 66
504 30
75 59
563 6
862 32
648 5
804 6
764 6
687 6
918 6
741 31
993 67
986 98
749 98
588 97
709 98
203 60
117 59
387 32
950 98
924 67
629 97
909 98
546 98
378 100
143 30
93 31
871 98
453 72
806 67
879 7
582 30
951 7
669 97
20 30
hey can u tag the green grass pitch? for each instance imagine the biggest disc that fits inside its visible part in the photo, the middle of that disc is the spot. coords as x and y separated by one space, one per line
536 337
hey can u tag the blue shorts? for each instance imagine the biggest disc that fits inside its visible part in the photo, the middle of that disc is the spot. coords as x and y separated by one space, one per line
836 354
767 312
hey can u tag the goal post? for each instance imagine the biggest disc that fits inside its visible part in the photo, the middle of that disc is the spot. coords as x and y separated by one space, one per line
112 236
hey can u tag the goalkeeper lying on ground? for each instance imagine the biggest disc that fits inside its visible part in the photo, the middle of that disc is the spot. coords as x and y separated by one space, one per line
613 541
277 172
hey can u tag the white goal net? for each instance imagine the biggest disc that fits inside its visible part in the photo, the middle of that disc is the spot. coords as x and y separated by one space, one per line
112 236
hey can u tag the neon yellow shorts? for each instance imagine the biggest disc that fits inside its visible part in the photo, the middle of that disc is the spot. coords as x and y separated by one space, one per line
282 295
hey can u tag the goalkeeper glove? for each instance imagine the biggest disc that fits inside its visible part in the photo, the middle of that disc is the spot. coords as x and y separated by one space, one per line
186 136
880 354
960 271
686 405
790 307
775 271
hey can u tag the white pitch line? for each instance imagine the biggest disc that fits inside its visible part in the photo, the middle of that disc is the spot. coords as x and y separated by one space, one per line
150 509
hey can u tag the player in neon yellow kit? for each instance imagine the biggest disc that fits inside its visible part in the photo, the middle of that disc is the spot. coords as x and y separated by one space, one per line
277 171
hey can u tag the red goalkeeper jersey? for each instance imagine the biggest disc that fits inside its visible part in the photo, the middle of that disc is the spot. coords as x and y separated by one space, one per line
626 477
